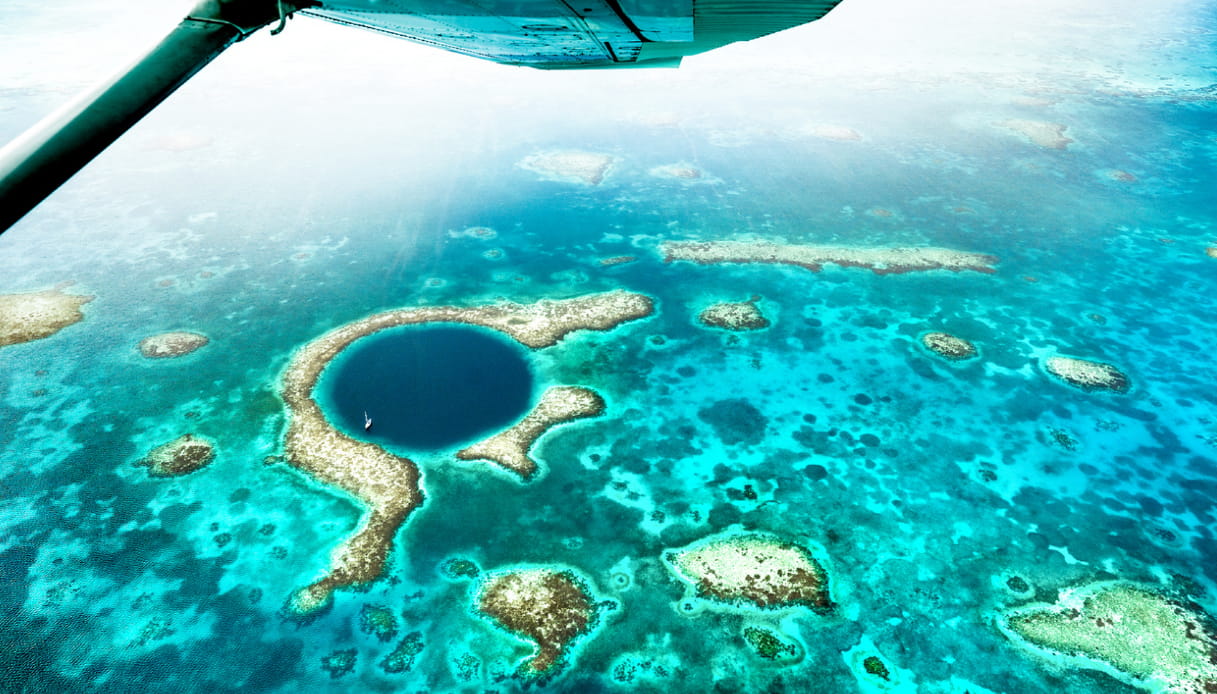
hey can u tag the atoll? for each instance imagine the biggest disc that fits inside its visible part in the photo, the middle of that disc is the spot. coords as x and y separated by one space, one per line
948 346
1140 635
171 344
1087 375
386 484
741 315
550 608
509 449
1044 134
752 569
881 261
35 315
588 168
180 456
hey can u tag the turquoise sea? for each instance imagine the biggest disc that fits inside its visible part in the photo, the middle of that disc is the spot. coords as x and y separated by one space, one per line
311 179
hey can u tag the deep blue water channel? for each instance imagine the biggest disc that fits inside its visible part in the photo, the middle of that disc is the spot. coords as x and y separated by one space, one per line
427 387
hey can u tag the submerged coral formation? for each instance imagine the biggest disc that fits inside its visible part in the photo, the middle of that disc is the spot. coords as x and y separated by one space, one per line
740 315
881 261
1044 134
340 662
171 344
753 569
1141 635
1088 375
378 621
550 608
948 346
387 484
873 666
509 449
768 645
588 168
402 658
35 315
180 456
618 260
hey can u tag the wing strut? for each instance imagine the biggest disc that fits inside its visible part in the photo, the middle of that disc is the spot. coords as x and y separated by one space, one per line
51 152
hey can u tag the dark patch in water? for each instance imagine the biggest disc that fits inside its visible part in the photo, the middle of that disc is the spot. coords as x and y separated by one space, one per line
428 388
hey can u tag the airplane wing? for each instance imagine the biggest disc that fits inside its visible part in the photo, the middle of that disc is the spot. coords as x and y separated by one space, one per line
564 34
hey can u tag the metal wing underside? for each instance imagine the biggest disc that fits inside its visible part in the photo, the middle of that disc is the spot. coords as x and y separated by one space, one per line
558 34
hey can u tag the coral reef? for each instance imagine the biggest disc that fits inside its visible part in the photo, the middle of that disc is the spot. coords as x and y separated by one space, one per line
509 449
340 663
754 570
948 346
386 484
171 344
735 421
180 456
618 260
882 261
767 644
35 315
686 172
550 608
1088 375
457 567
402 658
1044 134
1141 635
588 168
741 315
873 665
378 621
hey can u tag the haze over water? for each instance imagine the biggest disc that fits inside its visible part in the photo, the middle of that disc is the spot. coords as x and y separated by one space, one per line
308 180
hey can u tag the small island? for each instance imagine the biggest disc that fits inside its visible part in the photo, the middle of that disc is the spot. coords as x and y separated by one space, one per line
388 485
550 608
1044 134
948 346
1088 375
180 456
753 570
735 316
570 166
171 344
509 449
617 260
836 133
1134 633
35 315
881 261
679 172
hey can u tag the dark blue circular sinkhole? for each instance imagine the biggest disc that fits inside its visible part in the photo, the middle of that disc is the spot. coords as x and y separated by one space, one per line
427 387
